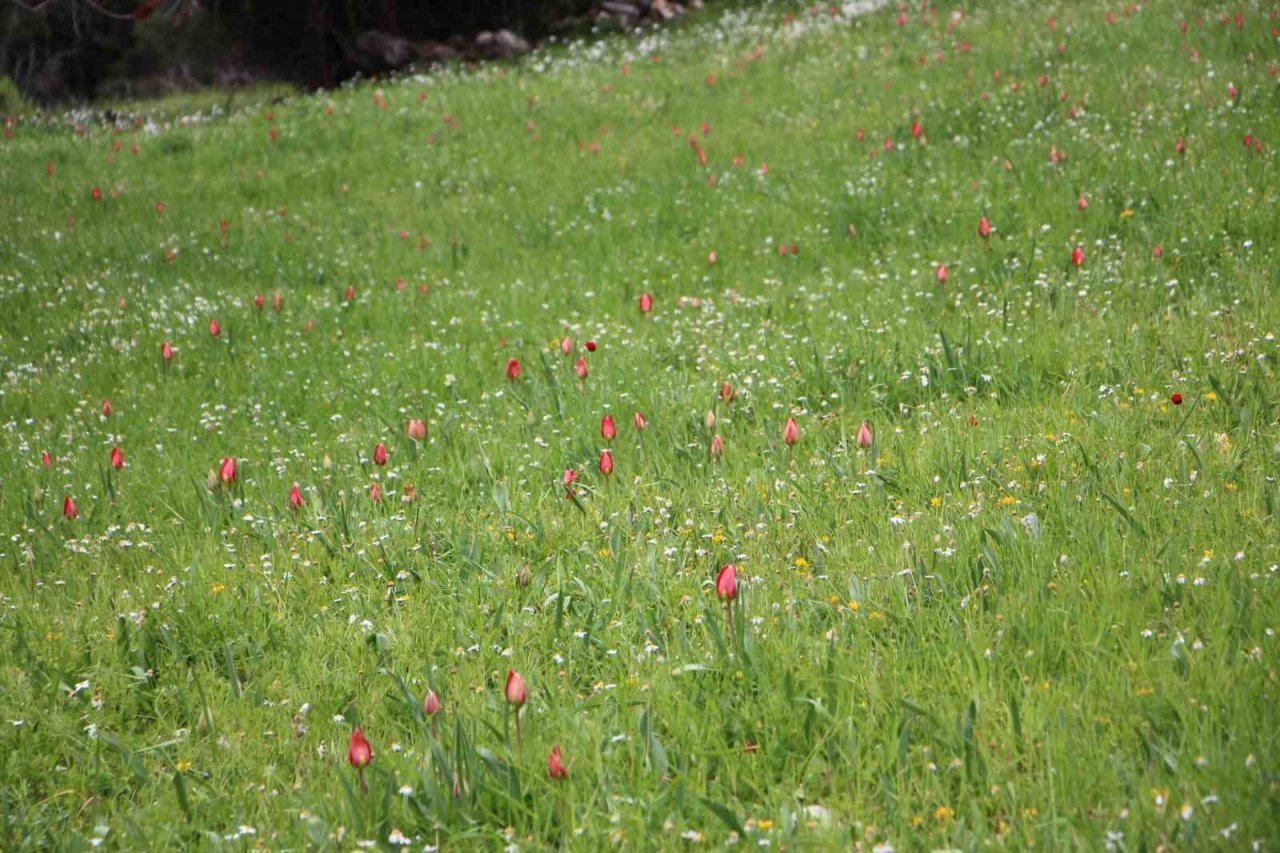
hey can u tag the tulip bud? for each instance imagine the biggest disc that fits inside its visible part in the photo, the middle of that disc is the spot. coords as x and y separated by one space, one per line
606 463
513 369
379 454
717 447
227 471
864 435
214 328
984 228
646 303
639 421
375 493
106 408
515 690
359 754
727 393
524 576
166 352
942 274
581 368
555 768
608 431
791 432
431 704
727 582
295 497
46 460
117 458
258 302
415 429
570 477
69 510
709 420
1077 257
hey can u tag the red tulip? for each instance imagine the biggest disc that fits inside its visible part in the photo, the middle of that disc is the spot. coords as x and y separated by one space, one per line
295 497
646 303
1175 398
46 460
984 228
349 294
106 408
1180 146
166 352
608 431
791 432
431 704
727 582
375 493
1077 257
727 393
117 458
69 511
513 369
864 435
214 328
359 753
1157 252
227 471
379 454
639 421
942 274
96 195
717 447
916 129
606 462
581 368
570 477
1248 140
590 345
415 429
556 769
516 693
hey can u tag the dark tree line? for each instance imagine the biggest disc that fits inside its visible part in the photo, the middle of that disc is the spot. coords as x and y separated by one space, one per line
70 49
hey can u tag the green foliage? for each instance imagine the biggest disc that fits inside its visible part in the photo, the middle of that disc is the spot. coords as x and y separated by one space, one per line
12 101
1040 607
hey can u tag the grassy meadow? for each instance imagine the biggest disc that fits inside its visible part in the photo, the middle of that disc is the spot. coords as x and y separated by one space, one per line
1033 603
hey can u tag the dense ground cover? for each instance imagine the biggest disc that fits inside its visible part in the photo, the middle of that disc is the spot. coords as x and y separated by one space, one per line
1038 606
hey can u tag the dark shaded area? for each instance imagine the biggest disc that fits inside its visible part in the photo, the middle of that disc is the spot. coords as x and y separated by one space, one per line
58 50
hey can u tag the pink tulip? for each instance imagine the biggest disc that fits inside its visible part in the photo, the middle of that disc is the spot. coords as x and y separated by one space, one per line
646 303
984 228
166 352
375 493
727 582
106 408
942 274
555 768
359 753
608 431
606 463
791 432
1077 257
864 435
46 460
515 690
581 368
569 478
214 328
379 454
117 458
639 421
295 497
69 511
566 345
227 471
415 429
717 447
431 704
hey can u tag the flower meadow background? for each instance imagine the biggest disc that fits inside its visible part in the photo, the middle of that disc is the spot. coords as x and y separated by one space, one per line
323 383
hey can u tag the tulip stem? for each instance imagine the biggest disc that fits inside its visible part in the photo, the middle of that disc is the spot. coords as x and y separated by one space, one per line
517 724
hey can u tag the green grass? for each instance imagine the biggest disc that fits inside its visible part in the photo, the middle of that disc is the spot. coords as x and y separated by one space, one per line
1040 608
